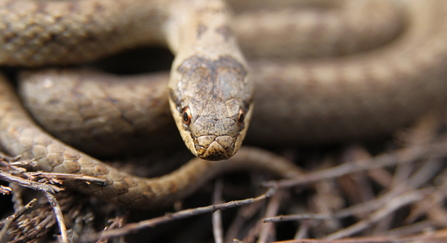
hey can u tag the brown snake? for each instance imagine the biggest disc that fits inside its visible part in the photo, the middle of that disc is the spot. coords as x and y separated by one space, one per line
384 88
209 91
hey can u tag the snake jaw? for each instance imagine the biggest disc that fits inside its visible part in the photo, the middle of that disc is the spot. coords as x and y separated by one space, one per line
213 139
223 146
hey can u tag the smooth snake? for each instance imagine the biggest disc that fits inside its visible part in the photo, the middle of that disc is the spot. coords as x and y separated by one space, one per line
351 96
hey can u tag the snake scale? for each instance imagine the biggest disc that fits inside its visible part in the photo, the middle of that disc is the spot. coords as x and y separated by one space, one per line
342 96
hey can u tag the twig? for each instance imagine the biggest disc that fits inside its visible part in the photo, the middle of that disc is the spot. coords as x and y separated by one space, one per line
388 208
5 190
303 230
409 229
29 183
243 215
304 216
355 209
48 189
429 203
58 214
406 155
417 179
14 216
436 236
427 171
267 230
79 177
14 168
217 216
176 216
328 199
115 223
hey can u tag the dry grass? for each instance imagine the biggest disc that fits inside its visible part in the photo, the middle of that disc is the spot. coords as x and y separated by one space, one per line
348 194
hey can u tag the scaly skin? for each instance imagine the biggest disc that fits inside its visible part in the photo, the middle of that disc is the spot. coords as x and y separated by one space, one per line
22 136
338 98
386 87
207 68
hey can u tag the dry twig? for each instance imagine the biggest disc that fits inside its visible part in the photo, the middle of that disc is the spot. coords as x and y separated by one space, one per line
435 150
217 216
176 216
6 222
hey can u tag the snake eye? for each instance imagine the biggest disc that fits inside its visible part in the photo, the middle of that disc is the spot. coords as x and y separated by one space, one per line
186 116
241 116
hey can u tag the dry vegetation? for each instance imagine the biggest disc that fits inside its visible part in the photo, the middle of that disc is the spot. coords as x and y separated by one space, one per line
387 192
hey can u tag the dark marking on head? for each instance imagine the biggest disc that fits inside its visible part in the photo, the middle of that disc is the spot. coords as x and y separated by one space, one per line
73 7
175 99
112 100
10 37
213 90
53 38
99 7
212 10
41 7
216 156
9 4
195 62
201 28
225 31
222 77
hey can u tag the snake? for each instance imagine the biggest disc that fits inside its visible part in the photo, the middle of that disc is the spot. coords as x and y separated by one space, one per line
208 65
343 96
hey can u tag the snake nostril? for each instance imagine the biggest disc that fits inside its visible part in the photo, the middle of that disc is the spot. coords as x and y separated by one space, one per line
241 117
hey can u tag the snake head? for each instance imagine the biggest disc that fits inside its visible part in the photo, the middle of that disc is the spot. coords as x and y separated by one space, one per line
211 104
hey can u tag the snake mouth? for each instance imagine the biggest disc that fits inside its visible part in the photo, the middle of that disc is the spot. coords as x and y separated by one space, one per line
211 147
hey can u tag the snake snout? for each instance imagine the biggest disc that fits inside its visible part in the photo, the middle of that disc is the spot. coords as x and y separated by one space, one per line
215 139
214 147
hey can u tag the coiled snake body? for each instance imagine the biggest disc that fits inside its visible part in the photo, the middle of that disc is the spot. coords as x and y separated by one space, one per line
384 88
